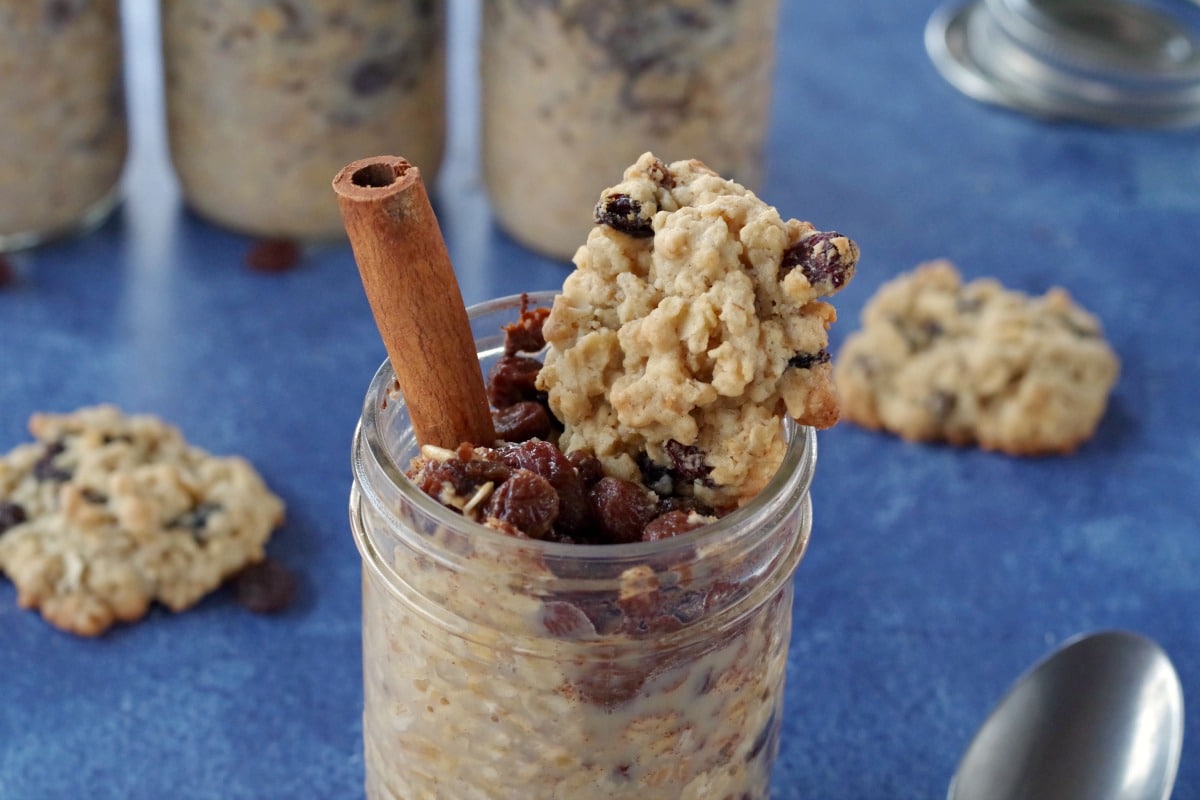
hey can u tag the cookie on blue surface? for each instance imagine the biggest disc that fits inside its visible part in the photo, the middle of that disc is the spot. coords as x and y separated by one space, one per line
107 513
937 359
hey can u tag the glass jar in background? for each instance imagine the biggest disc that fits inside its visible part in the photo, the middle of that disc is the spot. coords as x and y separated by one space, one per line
267 99
497 666
573 92
63 128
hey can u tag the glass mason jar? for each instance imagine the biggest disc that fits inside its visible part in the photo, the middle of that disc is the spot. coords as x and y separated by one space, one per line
267 99
495 666
63 128
574 92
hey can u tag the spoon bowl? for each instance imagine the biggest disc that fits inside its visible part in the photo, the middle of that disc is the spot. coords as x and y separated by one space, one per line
1100 718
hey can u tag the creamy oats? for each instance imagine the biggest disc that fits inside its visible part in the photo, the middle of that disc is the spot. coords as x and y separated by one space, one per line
598 604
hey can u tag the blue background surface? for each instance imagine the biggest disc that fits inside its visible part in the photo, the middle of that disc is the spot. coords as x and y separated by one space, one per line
934 577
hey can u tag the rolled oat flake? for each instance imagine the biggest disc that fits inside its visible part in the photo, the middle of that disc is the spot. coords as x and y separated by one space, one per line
1112 62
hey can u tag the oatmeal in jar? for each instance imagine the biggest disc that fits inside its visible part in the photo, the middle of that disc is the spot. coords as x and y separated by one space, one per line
598 603
64 135
266 99
500 665
574 91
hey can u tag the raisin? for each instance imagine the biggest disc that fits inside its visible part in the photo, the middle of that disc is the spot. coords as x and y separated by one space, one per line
525 335
819 258
564 620
685 605
546 460
672 523
657 477
527 501
511 380
536 456
371 77
621 509
521 421
586 465
574 514
267 587
644 617
196 519
809 360
60 13
293 23
44 469
8 273
94 496
273 255
609 685
11 515
622 213
687 463
918 334
682 503
604 613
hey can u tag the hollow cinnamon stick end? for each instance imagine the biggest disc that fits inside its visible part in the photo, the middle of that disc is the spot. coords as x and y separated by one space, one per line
369 179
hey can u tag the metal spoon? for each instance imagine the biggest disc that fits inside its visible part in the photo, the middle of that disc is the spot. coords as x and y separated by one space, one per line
1101 718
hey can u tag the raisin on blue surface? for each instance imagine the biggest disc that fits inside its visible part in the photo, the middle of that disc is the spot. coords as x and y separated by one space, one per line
267 587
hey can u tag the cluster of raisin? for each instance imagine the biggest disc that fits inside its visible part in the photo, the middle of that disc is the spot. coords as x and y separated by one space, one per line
528 487
531 489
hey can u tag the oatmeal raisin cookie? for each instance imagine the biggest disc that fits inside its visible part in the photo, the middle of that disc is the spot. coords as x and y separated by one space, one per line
105 514
694 316
973 363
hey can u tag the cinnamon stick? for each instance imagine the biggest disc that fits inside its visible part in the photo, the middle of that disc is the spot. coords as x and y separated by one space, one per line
415 299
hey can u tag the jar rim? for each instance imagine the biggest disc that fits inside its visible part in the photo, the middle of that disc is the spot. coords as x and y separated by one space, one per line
792 479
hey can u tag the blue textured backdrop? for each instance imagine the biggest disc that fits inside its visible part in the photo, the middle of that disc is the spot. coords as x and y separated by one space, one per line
934 576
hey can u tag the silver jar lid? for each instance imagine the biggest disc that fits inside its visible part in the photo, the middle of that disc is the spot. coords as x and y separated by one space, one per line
1115 62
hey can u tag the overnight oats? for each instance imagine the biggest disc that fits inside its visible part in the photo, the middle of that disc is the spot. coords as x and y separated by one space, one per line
597 602
64 134
265 100
574 91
